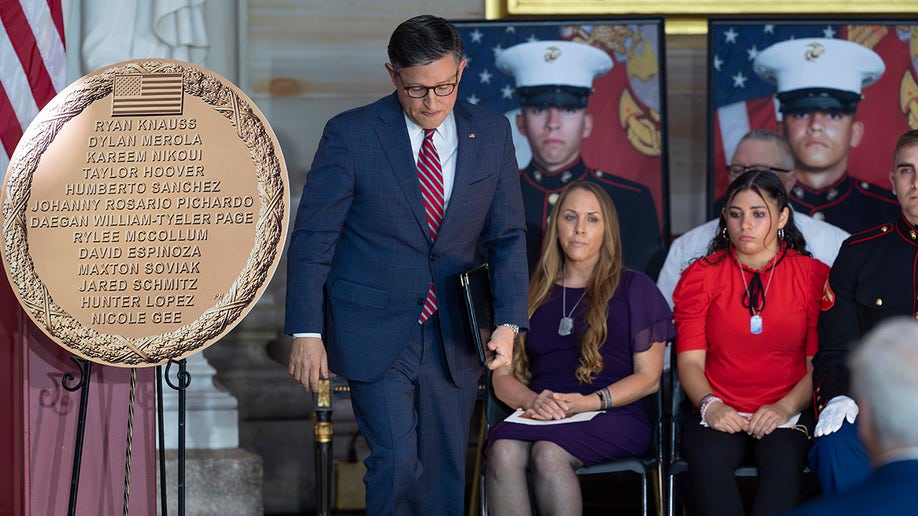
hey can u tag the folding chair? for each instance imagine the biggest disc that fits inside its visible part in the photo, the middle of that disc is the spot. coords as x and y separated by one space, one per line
649 464
679 407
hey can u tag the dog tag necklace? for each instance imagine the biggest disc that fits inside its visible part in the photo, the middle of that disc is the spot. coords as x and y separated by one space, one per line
566 327
755 304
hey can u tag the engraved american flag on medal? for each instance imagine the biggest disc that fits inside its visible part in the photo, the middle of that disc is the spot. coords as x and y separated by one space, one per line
147 94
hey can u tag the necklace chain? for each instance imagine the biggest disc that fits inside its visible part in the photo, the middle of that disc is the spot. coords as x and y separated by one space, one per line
746 286
566 325
564 300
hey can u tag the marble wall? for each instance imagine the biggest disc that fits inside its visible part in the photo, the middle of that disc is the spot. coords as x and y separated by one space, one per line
304 61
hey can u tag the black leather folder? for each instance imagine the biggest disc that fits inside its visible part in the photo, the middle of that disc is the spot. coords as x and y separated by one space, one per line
475 286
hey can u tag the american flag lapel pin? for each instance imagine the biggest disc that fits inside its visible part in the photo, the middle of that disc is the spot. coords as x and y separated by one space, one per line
472 135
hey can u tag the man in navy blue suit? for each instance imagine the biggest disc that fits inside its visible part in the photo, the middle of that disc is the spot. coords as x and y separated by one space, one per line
372 290
885 385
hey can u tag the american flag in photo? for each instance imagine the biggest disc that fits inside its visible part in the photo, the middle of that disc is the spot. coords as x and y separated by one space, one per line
742 101
147 94
482 82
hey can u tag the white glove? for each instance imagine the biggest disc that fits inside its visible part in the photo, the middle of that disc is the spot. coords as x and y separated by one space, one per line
837 410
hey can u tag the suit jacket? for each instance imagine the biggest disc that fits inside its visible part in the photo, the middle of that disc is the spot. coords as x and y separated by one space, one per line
361 257
889 491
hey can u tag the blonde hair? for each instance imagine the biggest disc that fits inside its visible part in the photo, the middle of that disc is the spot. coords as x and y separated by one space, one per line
602 285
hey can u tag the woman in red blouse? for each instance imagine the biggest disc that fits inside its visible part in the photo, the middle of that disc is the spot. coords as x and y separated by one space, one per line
746 323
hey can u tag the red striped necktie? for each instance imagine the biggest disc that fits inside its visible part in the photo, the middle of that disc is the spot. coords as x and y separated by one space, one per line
431 177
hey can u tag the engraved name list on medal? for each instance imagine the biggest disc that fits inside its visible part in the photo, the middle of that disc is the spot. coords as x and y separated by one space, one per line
149 210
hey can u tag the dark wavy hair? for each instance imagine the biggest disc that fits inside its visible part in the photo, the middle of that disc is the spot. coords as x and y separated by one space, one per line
769 188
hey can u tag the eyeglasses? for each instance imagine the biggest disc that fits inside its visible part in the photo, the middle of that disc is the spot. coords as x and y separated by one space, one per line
737 170
440 90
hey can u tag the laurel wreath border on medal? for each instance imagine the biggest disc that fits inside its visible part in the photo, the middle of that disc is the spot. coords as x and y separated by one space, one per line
270 230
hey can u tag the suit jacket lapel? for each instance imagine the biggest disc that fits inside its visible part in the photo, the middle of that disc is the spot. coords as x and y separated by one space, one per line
393 136
465 156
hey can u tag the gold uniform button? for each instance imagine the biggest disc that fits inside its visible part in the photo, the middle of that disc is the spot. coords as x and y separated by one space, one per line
916 315
884 229
553 198
912 234
819 216
878 302
865 185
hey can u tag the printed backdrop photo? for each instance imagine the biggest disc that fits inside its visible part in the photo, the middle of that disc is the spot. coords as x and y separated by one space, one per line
628 135
739 100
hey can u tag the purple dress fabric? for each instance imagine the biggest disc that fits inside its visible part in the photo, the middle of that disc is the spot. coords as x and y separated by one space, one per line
638 316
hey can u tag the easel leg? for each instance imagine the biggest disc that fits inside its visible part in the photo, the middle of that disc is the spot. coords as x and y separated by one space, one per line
184 380
85 368
161 430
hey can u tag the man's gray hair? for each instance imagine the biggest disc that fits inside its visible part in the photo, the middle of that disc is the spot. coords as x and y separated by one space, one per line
884 373
764 135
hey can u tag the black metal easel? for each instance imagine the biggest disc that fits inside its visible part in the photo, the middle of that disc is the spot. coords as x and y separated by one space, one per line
184 380
85 367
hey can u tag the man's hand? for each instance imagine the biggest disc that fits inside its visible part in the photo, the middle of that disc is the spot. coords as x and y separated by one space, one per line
501 346
308 362
836 412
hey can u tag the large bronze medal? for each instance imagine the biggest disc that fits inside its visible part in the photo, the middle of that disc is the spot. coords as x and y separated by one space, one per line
144 212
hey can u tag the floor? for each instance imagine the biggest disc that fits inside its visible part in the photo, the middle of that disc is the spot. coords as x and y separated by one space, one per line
618 494
603 495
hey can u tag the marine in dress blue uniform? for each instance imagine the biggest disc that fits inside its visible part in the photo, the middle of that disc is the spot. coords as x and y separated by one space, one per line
819 83
873 278
555 78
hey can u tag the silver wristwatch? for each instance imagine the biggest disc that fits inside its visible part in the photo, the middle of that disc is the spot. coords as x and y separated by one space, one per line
515 328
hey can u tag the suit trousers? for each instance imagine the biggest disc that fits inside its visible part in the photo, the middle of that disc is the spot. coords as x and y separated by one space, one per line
840 460
416 421
713 457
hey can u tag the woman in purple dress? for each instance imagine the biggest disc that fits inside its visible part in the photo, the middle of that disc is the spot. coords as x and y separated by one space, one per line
595 343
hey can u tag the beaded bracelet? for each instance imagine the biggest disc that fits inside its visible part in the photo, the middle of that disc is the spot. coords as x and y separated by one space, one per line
704 399
707 404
